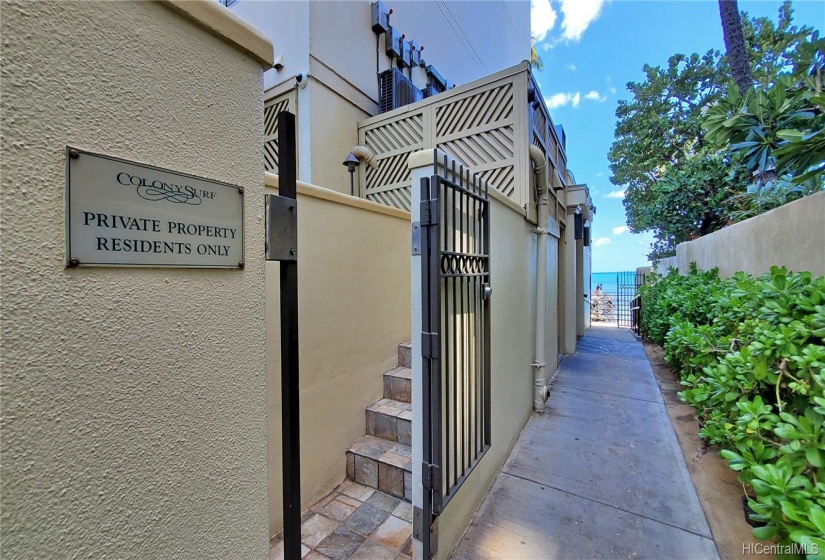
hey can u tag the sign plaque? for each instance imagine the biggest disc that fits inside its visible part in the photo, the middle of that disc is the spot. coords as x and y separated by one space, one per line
122 213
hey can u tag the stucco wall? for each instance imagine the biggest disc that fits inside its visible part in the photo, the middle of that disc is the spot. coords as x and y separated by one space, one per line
334 133
465 41
354 306
134 400
512 272
572 266
334 43
792 235
587 288
512 350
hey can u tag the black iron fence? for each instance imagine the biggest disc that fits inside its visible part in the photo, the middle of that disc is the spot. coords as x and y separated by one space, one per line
455 231
614 298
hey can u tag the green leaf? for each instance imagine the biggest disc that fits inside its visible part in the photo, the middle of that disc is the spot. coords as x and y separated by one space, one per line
814 457
765 533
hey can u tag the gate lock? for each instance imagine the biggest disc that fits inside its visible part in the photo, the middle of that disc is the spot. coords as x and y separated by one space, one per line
488 291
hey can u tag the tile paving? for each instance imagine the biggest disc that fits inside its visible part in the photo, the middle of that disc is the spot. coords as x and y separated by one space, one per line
353 522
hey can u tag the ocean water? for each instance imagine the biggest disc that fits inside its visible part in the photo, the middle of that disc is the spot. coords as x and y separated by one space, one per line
617 308
608 280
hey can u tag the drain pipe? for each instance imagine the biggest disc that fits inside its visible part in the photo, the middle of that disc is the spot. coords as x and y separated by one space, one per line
364 153
539 376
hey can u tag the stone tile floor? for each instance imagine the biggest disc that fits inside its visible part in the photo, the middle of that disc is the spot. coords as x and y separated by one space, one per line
354 522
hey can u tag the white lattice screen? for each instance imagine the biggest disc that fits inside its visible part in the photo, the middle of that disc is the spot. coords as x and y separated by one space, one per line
284 102
477 127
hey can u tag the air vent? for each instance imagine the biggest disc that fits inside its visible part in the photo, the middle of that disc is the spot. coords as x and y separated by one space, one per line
430 91
434 79
396 90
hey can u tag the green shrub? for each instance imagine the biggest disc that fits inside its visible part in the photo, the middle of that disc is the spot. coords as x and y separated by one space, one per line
670 299
751 356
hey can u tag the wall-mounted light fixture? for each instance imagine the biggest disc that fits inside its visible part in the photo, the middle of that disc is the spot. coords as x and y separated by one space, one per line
351 162
578 223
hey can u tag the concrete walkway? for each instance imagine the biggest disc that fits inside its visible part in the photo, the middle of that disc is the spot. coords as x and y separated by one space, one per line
599 475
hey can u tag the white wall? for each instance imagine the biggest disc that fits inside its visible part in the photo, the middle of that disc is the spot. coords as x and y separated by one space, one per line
333 42
134 402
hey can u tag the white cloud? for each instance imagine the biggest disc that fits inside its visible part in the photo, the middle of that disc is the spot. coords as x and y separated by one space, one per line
571 67
616 194
578 15
601 241
561 99
542 18
595 96
600 174
619 230
573 98
611 89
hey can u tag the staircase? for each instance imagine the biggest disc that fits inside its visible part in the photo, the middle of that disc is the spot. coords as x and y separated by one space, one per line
382 458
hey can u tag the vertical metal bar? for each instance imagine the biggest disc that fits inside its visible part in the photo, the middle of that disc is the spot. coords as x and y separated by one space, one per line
426 370
487 365
463 367
447 336
453 373
435 320
474 388
290 415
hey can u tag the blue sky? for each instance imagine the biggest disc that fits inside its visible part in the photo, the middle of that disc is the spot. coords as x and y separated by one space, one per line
591 49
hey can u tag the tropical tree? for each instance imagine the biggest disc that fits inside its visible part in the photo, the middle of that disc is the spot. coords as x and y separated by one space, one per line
659 131
535 60
735 45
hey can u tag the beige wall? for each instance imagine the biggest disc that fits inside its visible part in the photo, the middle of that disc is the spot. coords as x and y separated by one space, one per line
512 271
286 23
792 235
586 289
552 300
354 310
334 132
571 289
512 323
333 42
133 399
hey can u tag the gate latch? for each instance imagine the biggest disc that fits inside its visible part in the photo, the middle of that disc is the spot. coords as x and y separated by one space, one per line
488 291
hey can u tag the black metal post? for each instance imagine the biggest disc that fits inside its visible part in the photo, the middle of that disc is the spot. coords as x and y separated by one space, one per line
290 418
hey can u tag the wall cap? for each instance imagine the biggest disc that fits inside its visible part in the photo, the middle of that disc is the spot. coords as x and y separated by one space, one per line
424 158
271 180
218 19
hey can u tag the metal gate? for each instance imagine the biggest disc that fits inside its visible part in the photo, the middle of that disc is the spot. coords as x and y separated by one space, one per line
627 288
455 242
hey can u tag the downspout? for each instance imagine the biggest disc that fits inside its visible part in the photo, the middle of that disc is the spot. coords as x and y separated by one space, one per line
365 154
368 157
539 376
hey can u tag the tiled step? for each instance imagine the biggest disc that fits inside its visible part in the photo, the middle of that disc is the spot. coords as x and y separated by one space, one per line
381 464
405 354
398 384
390 420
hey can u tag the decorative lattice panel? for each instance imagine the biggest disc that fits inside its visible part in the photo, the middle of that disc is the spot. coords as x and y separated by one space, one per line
271 110
482 148
481 127
502 178
490 106
393 142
